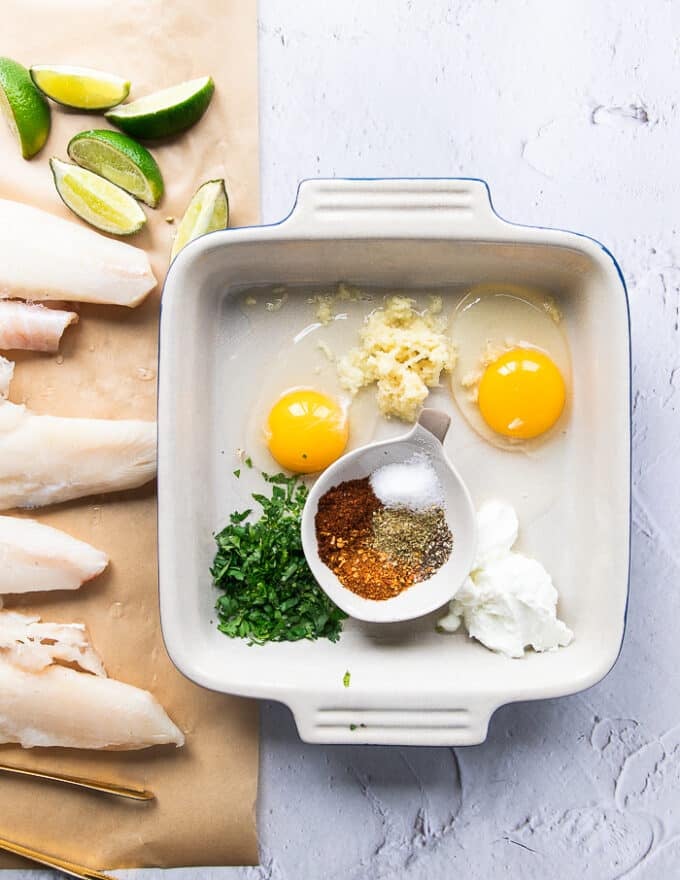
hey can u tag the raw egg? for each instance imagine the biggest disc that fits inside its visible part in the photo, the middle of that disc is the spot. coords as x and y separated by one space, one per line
306 430
521 394
512 375
300 358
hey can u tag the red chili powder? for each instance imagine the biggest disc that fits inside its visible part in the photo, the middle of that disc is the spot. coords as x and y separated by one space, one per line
344 529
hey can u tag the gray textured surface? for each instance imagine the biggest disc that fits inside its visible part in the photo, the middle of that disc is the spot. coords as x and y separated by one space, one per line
568 109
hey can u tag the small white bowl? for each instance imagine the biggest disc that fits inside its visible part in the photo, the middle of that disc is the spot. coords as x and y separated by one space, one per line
427 595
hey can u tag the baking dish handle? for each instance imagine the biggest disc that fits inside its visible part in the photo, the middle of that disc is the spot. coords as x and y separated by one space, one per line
404 721
391 208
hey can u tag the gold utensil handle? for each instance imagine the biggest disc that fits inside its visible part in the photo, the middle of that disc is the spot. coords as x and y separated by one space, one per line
137 794
70 868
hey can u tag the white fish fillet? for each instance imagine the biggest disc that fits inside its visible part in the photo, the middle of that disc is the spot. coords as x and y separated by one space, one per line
6 373
36 557
32 327
45 703
43 257
62 707
34 646
48 459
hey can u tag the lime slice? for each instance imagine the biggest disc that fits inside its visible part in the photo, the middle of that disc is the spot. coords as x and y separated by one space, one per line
26 111
208 211
80 87
166 112
121 160
96 200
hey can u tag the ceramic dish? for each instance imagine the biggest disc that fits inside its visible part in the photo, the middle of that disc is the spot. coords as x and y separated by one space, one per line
408 683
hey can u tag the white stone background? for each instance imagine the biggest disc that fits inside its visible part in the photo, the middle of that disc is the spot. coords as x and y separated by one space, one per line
568 108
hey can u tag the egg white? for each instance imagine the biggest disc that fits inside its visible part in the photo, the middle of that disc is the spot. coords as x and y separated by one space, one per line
490 320
305 358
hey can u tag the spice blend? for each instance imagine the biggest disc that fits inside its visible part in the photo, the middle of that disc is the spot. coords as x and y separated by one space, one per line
421 540
375 551
344 526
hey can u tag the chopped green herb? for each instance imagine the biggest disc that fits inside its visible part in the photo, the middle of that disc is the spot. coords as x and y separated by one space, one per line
345 679
352 727
270 594
248 462
237 473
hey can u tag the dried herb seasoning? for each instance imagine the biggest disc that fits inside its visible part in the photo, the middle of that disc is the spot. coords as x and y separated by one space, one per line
419 539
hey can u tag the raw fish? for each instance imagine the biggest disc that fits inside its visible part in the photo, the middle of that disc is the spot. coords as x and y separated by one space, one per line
34 646
48 459
43 257
46 703
6 373
63 707
32 327
36 557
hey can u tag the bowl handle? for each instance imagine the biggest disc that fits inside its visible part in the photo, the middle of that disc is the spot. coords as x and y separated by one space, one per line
436 421
402 721
391 208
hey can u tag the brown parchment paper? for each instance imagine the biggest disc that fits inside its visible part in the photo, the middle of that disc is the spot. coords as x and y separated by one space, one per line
205 808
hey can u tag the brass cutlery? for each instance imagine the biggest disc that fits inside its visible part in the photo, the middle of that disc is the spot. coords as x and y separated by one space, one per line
34 855
137 794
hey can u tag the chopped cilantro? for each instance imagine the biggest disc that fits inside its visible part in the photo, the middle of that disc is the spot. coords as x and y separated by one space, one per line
248 462
345 679
237 473
270 594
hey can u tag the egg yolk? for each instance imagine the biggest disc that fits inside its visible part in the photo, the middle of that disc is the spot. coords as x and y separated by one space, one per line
306 431
521 394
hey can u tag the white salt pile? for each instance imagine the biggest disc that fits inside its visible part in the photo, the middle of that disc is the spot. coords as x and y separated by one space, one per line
412 484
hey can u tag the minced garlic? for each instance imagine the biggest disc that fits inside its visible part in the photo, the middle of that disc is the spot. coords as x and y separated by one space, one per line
324 310
404 352
326 349
275 305
470 381
325 302
552 309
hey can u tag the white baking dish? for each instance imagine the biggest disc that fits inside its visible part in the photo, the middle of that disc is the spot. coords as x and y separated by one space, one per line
409 684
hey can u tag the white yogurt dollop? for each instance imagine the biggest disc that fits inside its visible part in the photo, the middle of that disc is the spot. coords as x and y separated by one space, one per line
412 483
508 602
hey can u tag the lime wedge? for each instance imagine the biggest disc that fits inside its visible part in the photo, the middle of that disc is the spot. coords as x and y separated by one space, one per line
121 160
26 111
80 87
166 112
96 200
208 211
